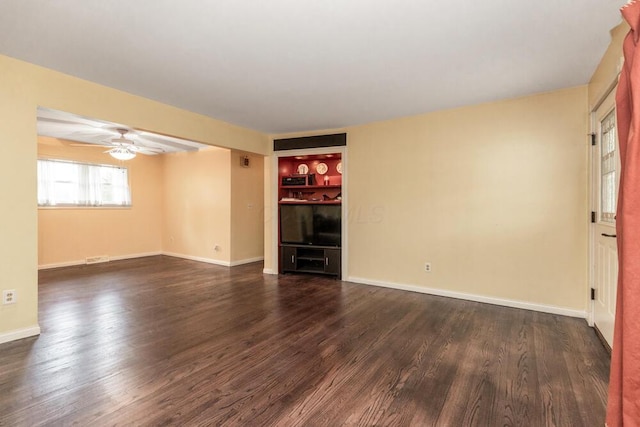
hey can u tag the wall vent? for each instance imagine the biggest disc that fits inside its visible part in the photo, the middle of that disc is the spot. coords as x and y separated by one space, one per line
97 259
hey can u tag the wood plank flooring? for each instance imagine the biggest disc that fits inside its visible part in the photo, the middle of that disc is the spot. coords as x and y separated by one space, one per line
164 341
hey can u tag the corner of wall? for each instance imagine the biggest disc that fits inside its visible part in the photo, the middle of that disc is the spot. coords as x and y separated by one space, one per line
247 207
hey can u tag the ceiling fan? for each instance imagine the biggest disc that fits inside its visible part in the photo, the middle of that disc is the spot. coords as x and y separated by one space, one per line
126 149
123 148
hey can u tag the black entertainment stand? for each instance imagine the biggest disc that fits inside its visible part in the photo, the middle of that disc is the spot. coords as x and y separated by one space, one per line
310 259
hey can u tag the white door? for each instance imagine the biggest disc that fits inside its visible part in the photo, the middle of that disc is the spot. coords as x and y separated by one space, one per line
605 166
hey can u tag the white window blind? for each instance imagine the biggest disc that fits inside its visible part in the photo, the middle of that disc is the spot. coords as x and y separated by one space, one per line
66 183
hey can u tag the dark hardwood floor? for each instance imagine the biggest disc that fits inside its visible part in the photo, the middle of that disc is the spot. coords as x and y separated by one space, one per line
164 341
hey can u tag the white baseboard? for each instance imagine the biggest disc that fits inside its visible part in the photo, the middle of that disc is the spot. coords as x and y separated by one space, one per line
199 259
472 297
18 334
246 261
61 264
269 271
214 261
132 256
83 262
146 254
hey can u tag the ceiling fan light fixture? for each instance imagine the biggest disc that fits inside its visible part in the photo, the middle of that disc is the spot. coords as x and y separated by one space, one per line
121 153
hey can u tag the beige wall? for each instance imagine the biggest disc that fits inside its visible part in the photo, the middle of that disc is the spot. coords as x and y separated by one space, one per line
18 218
24 87
493 195
197 204
69 235
270 240
247 225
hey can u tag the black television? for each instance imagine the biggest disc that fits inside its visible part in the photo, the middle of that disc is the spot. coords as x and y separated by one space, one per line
318 225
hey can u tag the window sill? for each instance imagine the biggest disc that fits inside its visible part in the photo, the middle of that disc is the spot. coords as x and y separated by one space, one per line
84 207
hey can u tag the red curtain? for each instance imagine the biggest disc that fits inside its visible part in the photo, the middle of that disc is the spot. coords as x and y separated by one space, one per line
623 408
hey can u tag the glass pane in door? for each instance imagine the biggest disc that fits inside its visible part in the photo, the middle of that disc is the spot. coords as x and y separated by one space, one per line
608 161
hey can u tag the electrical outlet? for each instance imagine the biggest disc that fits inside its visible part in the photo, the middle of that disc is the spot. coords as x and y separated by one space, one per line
427 267
9 296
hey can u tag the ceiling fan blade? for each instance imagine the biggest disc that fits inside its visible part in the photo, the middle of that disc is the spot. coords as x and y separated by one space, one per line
138 146
174 144
146 150
87 144
47 114
70 126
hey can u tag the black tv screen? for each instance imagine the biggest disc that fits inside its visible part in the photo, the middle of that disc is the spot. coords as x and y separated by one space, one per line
311 224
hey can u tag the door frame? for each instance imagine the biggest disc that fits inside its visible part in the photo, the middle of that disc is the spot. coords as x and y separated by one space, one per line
594 197
275 157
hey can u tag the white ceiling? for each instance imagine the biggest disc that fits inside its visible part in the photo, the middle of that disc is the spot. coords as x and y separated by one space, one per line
289 65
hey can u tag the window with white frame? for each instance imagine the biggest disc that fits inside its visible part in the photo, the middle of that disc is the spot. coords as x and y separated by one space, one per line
608 163
67 183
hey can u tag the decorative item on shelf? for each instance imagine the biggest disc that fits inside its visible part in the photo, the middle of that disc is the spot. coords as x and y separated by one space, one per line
303 169
322 168
326 180
327 198
311 179
339 167
294 180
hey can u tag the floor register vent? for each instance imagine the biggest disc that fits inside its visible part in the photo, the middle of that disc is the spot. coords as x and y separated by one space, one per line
97 259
